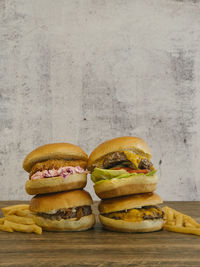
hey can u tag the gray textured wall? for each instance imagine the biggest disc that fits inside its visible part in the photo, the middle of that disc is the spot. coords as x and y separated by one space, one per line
86 71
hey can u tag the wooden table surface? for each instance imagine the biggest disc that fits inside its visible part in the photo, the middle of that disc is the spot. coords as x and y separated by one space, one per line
98 247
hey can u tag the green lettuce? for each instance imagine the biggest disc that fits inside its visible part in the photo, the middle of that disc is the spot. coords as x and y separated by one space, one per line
103 174
100 175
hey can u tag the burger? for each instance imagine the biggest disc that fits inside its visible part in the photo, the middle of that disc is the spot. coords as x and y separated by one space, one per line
64 211
135 213
55 167
122 166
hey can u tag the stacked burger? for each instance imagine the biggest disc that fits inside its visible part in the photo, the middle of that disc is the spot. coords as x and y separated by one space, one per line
57 176
125 180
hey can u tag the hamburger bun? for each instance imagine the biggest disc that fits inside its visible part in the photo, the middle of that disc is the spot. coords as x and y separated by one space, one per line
63 151
135 184
131 227
64 200
129 202
56 184
126 203
49 202
119 144
84 223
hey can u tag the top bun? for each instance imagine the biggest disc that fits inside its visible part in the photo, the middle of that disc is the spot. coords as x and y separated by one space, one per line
64 151
118 144
55 201
129 202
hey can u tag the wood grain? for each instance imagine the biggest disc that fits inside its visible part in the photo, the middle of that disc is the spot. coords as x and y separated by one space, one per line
98 247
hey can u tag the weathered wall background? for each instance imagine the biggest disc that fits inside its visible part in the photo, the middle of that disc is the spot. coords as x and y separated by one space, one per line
86 71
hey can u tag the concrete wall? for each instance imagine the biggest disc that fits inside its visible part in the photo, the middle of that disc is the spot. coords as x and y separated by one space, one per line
86 71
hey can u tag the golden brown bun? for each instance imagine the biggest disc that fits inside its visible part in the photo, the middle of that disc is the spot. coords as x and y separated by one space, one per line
129 202
64 151
126 186
56 184
55 201
131 227
84 223
119 144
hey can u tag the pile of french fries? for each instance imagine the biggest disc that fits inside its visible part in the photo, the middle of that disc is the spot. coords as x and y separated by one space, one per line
178 222
18 218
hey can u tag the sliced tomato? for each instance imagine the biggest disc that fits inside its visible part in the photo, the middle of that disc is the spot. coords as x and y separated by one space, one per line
131 170
139 171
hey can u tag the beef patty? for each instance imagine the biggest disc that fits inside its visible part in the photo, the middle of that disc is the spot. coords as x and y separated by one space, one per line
156 213
145 164
65 214
114 159
119 158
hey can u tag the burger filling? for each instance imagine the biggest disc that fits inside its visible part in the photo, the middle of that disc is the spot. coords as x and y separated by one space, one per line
121 165
54 168
137 214
126 159
65 214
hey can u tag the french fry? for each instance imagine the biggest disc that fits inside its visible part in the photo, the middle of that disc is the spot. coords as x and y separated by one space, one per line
37 229
169 216
33 228
18 219
187 224
6 228
191 221
184 230
22 213
2 220
178 222
179 219
5 210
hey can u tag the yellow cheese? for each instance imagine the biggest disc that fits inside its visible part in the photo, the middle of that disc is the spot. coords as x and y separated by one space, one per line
134 215
134 158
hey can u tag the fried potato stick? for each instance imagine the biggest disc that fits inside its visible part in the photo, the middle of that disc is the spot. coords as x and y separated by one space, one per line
184 230
2 220
19 219
176 221
33 228
5 227
5 210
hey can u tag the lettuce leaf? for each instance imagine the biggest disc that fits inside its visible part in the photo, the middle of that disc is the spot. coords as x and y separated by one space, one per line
151 173
103 174
100 175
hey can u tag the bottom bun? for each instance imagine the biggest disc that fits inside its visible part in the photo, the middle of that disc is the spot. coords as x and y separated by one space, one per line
56 184
84 223
126 186
131 227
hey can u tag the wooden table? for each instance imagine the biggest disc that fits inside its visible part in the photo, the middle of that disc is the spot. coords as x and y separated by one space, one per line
98 247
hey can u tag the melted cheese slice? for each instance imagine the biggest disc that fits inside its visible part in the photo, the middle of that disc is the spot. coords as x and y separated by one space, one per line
134 215
134 158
